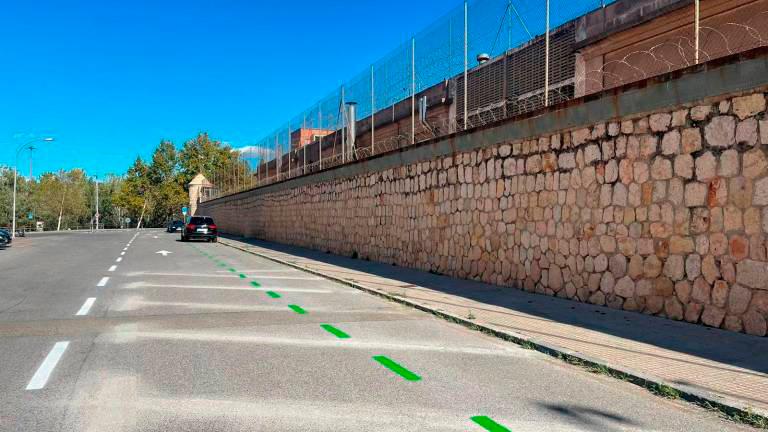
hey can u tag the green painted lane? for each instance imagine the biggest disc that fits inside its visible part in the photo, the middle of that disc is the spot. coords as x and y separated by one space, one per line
255 284
488 424
231 270
242 276
298 309
396 368
273 294
334 331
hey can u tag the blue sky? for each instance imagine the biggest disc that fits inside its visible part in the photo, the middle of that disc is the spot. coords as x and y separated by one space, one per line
110 79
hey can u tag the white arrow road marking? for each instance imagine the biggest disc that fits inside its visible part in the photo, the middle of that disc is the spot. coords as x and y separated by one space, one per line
86 306
163 252
103 281
40 378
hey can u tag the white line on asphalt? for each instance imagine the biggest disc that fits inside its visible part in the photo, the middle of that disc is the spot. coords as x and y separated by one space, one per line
113 268
40 378
140 285
228 276
103 281
122 253
260 271
125 248
119 259
86 306
500 350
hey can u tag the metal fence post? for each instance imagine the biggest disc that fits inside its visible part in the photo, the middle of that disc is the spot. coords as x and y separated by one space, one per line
696 28
290 150
413 90
277 159
466 61
343 127
373 115
546 59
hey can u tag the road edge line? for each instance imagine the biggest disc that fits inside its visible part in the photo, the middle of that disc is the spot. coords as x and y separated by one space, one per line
734 409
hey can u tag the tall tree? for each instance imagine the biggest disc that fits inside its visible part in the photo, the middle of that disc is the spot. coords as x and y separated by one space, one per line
204 155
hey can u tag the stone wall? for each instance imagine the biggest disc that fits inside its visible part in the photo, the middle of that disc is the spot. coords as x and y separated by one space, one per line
664 213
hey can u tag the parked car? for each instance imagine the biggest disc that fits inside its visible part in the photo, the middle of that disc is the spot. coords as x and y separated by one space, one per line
174 226
200 228
5 237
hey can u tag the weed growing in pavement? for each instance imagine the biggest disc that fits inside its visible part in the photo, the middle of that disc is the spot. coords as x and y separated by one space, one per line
470 315
664 391
528 345
751 419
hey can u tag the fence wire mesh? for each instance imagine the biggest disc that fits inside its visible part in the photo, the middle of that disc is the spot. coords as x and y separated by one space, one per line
436 83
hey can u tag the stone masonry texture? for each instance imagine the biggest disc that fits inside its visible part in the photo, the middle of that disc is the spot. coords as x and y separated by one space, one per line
662 217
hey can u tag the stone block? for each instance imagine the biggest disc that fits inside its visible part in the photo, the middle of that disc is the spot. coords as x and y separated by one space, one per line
748 106
695 194
721 132
706 167
746 132
738 299
729 164
752 274
674 267
713 316
670 143
701 112
755 163
660 122
661 169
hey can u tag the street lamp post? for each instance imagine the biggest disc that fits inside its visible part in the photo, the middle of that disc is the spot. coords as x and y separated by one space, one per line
15 175
97 202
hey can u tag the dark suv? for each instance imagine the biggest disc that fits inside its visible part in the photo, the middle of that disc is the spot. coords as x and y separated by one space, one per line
174 226
200 228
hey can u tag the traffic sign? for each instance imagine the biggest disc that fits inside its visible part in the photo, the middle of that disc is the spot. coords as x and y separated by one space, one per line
184 211
127 220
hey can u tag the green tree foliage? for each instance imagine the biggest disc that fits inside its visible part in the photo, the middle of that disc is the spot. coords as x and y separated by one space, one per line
204 155
157 189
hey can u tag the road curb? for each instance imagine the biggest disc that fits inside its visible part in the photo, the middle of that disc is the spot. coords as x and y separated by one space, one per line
735 409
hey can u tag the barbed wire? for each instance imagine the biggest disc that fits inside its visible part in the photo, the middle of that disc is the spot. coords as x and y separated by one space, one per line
437 55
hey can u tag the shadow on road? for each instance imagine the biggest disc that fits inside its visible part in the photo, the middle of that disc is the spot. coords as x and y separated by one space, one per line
590 418
734 349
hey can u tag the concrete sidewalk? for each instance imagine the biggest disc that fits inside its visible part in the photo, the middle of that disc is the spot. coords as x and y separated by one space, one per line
725 368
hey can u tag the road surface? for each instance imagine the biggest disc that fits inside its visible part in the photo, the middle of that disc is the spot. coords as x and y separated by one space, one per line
100 332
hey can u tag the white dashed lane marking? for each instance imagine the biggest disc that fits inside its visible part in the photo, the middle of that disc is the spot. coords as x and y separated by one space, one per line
86 306
40 379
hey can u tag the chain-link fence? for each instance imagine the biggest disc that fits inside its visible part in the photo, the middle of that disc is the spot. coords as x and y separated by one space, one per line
484 61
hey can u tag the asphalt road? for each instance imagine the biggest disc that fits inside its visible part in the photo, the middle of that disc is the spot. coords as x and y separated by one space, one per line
209 338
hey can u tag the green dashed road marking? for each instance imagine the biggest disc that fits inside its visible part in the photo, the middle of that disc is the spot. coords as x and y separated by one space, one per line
255 284
396 368
297 309
334 331
242 276
273 294
232 270
488 424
